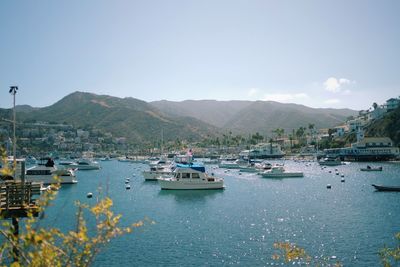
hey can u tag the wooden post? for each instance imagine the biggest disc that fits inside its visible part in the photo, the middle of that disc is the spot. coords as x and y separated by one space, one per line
15 224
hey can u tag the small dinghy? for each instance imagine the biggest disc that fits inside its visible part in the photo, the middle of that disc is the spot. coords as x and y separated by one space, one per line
386 188
370 169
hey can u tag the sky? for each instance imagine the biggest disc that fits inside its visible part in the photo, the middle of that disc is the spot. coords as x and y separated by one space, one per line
337 54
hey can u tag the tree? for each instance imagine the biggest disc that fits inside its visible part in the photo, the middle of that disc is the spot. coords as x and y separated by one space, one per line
36 246
375 105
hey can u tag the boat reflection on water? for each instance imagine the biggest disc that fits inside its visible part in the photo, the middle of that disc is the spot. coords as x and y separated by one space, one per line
191 195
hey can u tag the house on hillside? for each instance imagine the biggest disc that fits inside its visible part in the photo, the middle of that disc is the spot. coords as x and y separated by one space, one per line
354 125
377 113
392 104
341 130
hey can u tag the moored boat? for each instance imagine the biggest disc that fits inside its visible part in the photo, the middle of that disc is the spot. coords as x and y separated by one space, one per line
386 188
157 171
48 174
371 169
87 164
330 161
280 172
190 177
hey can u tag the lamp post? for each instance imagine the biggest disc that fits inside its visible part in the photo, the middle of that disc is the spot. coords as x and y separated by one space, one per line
13 90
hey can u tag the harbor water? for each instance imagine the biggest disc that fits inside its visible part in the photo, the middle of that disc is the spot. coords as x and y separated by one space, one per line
348 223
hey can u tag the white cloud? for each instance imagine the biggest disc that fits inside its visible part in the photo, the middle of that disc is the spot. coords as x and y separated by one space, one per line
335 85
284 97
344 81
253 92
332 101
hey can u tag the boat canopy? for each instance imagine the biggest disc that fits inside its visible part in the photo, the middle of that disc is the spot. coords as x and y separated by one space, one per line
195 167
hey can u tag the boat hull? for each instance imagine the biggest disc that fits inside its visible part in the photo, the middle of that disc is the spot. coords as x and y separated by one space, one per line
169 184
387 188
153 176
283 175
371 170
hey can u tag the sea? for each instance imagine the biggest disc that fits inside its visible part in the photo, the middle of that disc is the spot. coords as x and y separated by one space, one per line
241 225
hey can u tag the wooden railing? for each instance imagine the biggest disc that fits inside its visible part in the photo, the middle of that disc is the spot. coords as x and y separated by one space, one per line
17 199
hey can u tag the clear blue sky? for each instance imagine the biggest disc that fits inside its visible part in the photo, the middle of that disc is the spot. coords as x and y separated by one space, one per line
317 53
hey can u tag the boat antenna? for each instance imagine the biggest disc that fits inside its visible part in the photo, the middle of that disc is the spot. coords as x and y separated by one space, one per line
13 90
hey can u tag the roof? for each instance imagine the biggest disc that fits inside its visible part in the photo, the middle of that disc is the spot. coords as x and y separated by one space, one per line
376 140
196 167
393 100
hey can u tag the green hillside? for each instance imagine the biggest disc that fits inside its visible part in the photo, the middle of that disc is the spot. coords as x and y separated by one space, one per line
388 126
128 117
255 116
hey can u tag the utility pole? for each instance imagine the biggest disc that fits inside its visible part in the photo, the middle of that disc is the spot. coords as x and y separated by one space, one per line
13 90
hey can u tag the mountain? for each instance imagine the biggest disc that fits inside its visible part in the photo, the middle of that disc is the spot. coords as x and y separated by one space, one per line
140 121
388 125
25 108
255 116
123 117
211 111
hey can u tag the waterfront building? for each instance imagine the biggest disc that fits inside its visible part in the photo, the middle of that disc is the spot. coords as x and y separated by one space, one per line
366 149
262 151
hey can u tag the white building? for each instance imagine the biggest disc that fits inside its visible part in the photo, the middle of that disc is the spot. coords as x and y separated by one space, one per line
355 124
392 104
341 130
377 113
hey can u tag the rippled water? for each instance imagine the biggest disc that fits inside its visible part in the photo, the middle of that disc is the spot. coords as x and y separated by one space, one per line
349 223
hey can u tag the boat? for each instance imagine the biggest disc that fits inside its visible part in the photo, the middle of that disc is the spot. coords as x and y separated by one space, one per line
156 171
249 168
125 159
371 169
87 164
66 164
329 161
106 158
280 172
227 164
386 188
190 177
48 173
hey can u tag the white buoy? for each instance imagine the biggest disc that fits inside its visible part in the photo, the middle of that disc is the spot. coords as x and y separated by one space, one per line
328 186
342 175
127 179
128 186
89 195
337 173
342 180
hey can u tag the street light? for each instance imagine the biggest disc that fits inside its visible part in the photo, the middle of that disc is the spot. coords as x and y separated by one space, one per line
13 90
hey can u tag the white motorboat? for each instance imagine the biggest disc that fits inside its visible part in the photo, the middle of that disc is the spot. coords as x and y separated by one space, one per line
227 164
190 177
330 162
87 164
157 171
371 169
67 164
48 174
280 172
